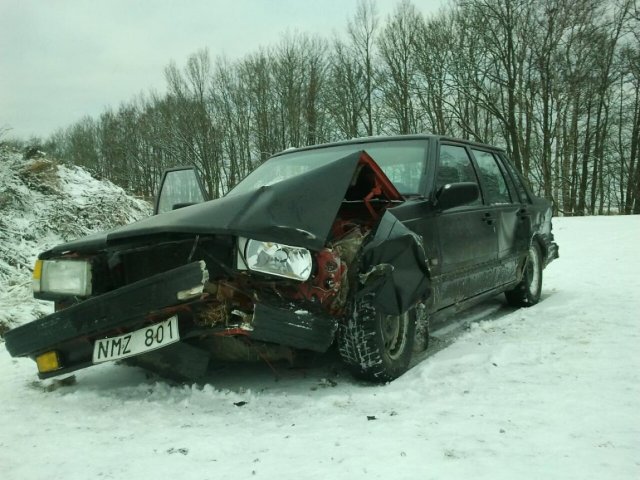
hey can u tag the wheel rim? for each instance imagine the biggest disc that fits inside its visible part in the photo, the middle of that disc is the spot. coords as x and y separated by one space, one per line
533 271
394 334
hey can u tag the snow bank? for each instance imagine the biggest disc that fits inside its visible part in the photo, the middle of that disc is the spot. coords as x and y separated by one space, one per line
43 204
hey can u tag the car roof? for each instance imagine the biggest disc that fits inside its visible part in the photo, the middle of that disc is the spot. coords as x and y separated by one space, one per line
384 138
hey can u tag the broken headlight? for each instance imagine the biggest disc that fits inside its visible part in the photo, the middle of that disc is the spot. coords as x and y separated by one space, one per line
64 276
274 259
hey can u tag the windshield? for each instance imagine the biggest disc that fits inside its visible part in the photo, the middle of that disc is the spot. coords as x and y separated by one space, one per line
403 161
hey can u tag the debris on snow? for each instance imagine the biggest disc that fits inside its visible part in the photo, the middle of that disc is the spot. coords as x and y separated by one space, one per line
183 451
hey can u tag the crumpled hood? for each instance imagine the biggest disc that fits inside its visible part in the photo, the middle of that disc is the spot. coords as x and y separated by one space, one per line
298 211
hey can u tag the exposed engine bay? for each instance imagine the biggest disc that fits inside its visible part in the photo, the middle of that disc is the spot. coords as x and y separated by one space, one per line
234 301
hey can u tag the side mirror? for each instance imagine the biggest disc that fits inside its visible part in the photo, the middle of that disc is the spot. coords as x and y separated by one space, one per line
180 187
456 194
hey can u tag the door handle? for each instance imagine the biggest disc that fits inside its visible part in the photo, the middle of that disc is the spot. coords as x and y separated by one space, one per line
487 218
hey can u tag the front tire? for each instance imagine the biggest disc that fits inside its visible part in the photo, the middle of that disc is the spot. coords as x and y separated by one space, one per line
527 292
377 347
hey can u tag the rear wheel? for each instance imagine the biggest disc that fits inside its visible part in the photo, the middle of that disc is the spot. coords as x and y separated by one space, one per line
527 292
376 346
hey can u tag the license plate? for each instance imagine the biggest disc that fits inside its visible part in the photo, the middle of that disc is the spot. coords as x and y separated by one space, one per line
135 343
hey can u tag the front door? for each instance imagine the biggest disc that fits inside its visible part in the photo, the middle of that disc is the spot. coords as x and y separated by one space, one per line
468 240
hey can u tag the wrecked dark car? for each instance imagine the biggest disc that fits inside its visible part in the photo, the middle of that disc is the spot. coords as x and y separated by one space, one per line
364 244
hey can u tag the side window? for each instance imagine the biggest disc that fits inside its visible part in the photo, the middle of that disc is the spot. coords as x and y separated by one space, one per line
454 166
517 180
495 186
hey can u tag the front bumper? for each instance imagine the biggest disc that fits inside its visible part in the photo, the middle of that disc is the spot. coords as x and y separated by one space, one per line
72 332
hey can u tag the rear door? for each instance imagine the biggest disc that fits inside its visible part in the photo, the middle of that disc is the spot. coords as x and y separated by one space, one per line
511 220
467 234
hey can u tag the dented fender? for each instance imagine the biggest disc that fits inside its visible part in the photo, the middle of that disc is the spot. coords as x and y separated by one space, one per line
399 276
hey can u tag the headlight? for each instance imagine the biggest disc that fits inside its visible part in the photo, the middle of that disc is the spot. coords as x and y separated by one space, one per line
66 277
274 259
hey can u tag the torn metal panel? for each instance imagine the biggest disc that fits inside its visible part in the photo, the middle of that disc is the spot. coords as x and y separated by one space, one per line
241 349
297 211
293 327
399 273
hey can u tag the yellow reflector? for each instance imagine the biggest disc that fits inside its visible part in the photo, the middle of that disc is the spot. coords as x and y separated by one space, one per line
48 362
37 270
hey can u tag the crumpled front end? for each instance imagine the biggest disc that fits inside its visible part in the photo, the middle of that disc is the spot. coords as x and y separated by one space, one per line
175 297
138 288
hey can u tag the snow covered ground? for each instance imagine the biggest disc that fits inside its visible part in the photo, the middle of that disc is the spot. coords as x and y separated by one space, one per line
550 392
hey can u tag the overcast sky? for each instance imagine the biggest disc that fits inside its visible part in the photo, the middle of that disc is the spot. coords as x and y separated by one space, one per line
61 59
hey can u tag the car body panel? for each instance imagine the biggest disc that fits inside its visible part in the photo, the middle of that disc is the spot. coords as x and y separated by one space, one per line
288 212
402 285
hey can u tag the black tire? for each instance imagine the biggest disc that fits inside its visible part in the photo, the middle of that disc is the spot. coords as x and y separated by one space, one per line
527 292
374 346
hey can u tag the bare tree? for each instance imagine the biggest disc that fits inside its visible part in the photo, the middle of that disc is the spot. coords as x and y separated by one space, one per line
347 97
556 82
398 71
362 30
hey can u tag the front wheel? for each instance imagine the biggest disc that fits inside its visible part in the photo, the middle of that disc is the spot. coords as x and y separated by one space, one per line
375 346
527 292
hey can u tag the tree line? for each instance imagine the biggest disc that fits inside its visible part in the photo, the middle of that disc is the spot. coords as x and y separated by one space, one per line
555 82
